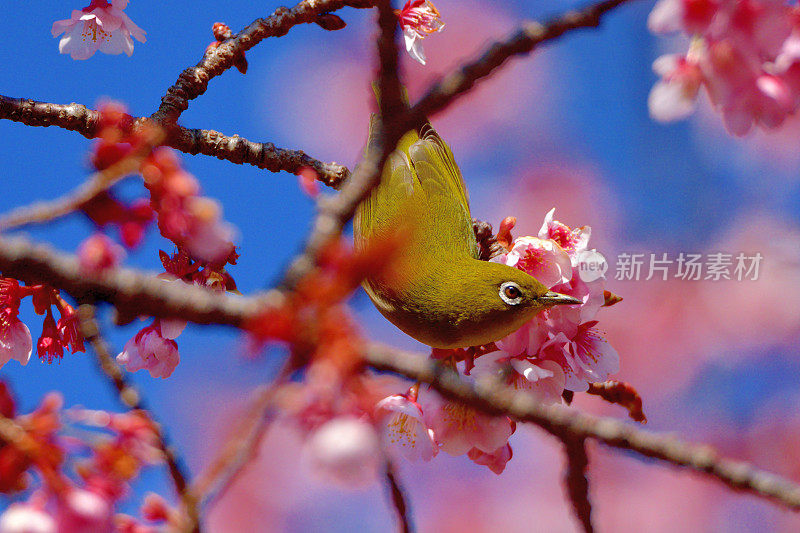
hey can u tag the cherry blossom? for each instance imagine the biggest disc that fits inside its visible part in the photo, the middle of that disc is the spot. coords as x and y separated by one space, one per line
99 26
742 52
543 259
150 349
98 253
458 428
560 348
15 337
573 241
84 511
26 518
68 329
50 344
347 450
496 460
404 431
541 378
418 18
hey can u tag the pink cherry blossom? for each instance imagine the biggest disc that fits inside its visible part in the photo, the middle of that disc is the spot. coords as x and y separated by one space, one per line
419 18
559 348
585 358
543 259
404 431
496 461
541 378
150 349
99 26
98 253
26 518
50 345
545 379
68 329
84 511
459 428
528 339
742 53
572 241
675 96
346 450
15 337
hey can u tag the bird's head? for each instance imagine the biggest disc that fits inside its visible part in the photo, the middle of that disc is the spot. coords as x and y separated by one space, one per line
503 298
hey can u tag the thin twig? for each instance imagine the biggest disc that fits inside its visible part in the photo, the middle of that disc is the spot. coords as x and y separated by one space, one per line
98 183
132 399
523 41
193 81
237 452
233 148
620 393
561 421
399 499
575 481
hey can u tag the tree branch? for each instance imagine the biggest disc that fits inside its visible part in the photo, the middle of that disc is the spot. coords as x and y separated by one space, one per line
524 41
562 421
193 81
399 498
236 149
575 480
132 399
132 292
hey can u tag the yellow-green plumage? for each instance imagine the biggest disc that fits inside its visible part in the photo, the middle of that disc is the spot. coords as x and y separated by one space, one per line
440 293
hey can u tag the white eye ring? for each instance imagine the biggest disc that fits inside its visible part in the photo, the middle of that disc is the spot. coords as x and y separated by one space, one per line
511 293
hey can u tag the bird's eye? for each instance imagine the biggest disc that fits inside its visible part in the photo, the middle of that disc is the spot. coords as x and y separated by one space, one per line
511 293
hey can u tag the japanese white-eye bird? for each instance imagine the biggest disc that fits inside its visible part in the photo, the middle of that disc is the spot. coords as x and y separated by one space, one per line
439 292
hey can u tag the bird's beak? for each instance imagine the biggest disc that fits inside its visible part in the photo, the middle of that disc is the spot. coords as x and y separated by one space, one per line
556 298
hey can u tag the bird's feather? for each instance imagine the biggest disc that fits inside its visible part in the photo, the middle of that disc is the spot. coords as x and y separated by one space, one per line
420 182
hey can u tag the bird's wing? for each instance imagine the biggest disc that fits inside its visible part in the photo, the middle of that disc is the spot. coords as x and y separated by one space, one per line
448 216
420 185
396 193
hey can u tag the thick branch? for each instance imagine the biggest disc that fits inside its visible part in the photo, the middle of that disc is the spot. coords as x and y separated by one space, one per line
576 483
73 117
563 422
132 292
236 149
193 81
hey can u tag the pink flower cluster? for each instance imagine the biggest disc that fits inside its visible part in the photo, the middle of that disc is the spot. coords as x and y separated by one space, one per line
99 26
15 337
560 348
105 457
745 53
184 216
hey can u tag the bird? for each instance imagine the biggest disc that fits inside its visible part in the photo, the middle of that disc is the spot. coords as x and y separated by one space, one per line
438 291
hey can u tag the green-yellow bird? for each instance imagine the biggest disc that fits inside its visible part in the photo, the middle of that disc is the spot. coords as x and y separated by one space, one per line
439 292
